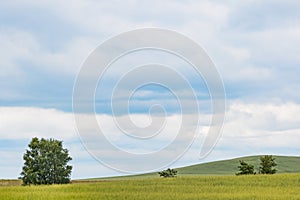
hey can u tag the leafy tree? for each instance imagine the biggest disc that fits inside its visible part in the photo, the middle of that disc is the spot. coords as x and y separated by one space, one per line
245 168
46 163
168 173
267 164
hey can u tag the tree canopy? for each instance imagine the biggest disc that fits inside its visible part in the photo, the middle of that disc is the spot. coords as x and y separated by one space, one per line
245 168
46 162
267 165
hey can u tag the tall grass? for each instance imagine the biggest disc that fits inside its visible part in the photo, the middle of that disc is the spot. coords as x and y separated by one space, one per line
281 186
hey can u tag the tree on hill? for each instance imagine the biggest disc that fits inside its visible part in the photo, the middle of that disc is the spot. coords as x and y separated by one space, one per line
46 163
245 168
168 173
267 164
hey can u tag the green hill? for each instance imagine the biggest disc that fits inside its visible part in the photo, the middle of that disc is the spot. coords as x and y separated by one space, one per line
285 164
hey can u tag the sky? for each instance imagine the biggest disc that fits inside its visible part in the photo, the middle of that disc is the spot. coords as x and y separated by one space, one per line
253 44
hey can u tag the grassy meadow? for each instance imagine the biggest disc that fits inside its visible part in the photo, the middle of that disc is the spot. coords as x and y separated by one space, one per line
278 186
215 180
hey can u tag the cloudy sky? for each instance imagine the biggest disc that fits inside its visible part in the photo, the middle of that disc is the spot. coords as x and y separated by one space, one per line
254 44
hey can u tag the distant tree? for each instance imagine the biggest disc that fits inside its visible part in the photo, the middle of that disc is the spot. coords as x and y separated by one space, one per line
46 163
267 164
168 173
245 168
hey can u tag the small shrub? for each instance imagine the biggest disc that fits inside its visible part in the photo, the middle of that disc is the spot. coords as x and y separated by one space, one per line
168 173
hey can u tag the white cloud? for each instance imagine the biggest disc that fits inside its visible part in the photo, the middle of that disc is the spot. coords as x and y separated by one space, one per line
243 120
22 51
277 45
27 122
15 47
250 119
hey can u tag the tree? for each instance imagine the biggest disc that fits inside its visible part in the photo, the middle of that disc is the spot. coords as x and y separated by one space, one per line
245 168
168 173
267 164
46 163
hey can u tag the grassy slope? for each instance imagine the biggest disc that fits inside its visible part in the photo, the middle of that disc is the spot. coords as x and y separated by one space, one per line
286 164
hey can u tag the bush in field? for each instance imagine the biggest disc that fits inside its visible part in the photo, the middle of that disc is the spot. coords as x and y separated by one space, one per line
168 173
245 168
267 164
46 163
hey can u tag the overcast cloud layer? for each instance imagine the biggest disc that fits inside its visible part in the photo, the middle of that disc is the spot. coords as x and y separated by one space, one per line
254 44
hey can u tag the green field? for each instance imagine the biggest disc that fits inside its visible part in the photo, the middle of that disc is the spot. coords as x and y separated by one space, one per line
214 180
280 186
